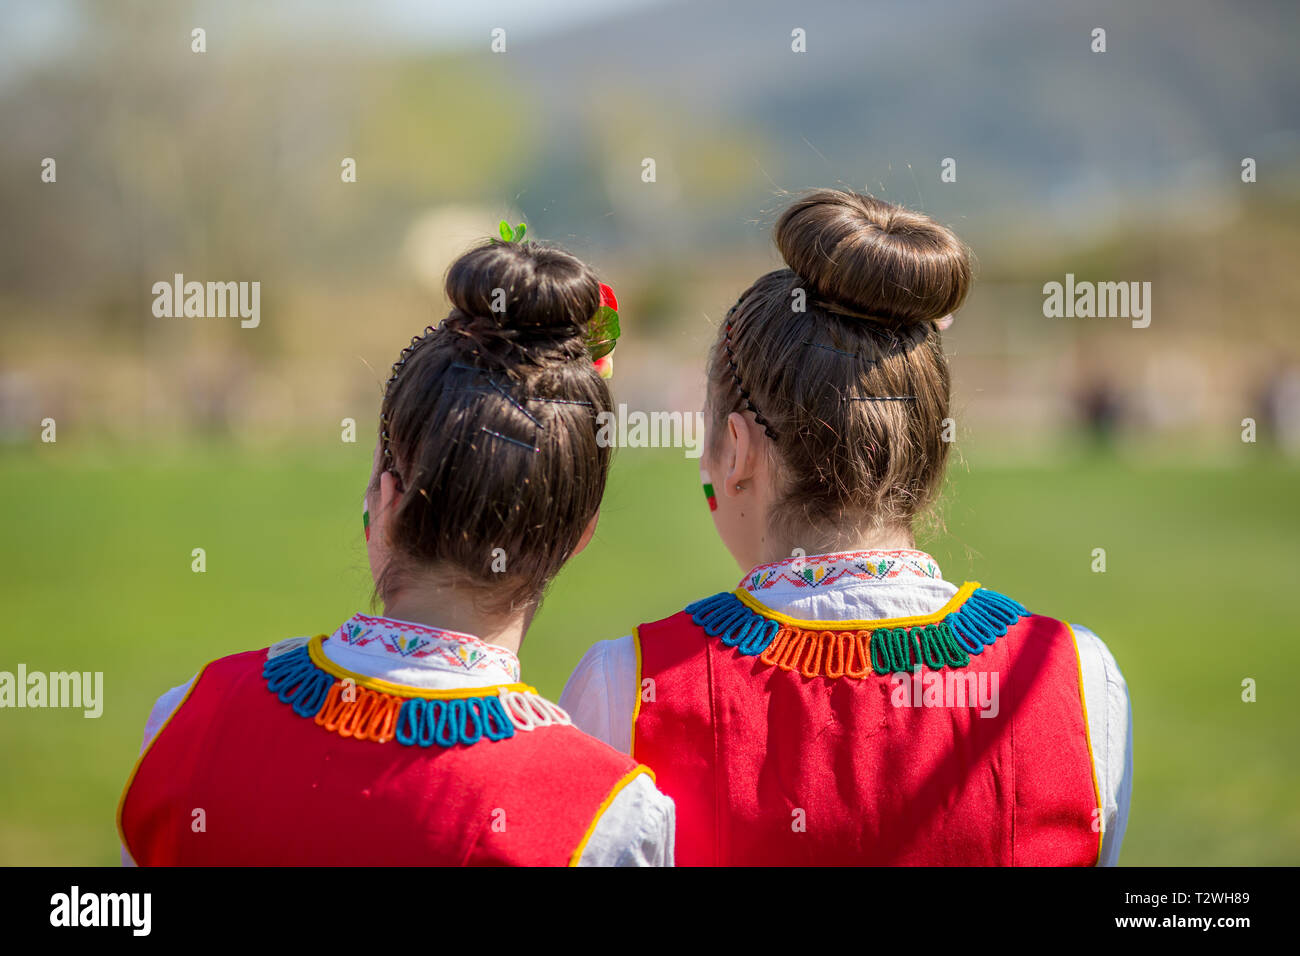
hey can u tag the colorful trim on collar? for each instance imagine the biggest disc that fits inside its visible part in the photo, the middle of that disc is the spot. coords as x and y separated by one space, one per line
973 619
367 708
820 570
420 642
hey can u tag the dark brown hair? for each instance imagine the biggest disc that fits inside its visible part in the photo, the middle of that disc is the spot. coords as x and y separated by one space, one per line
839 358
489 424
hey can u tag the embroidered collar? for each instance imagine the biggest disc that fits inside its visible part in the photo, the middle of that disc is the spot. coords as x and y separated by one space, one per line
401 643
845 567
973 619
367 708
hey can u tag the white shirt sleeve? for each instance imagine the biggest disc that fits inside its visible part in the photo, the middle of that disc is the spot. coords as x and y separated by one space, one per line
1110 728
637 829
601 693
163 708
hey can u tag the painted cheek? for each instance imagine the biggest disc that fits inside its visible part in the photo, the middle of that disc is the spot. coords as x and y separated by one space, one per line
708 490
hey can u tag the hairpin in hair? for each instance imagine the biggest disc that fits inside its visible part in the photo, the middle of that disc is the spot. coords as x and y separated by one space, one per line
879 398
836 309
744 393
942 324
830 348
514 441
511 399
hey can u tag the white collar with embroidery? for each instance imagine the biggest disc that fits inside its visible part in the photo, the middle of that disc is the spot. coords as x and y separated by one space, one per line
851 585
824 571
416 654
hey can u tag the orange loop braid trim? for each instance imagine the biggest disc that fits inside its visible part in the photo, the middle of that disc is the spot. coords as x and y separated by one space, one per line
793 650
354 719
772 653
831 654
843 658
818 650
330 711
861 640
369 716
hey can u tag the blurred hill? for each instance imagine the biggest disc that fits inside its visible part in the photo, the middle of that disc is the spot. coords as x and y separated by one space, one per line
225 166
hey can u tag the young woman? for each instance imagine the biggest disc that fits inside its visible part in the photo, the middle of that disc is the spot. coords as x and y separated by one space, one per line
846 704
408 739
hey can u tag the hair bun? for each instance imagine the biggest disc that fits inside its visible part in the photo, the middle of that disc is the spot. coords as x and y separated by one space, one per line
524 290
872 259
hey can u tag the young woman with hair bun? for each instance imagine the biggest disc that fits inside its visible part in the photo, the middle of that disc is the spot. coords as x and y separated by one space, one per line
408 738
845 704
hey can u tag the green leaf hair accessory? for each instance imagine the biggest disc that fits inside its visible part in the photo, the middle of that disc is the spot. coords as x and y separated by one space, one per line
603 332
512 235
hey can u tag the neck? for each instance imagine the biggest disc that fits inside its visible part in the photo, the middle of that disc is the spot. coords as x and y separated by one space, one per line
457 609
774 548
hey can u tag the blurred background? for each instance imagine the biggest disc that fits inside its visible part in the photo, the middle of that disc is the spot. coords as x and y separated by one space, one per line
1073 433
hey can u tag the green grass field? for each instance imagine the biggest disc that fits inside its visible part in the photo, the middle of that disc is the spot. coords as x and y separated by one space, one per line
96 576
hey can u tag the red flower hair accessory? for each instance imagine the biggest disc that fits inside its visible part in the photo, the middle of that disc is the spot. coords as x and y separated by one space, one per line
603 332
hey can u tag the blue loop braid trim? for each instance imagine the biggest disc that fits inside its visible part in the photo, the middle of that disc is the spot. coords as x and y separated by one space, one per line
446 723
295 679
984 618
727 618
978 623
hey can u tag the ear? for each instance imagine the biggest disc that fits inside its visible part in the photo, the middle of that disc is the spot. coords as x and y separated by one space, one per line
742 448
588 533
389 491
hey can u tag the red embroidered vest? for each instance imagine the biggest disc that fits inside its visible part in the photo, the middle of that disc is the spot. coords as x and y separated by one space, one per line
274 788
803 745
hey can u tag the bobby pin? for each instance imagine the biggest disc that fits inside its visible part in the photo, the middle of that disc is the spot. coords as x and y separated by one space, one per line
881 398
511 399
829 348
489 388
513 441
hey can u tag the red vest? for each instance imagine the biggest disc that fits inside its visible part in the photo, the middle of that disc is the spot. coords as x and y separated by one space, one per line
769 766
275 788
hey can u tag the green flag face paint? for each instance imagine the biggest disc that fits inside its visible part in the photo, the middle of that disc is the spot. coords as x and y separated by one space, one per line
708 490
365 521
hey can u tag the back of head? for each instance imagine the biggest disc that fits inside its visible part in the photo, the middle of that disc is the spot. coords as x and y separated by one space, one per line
489 424
839 357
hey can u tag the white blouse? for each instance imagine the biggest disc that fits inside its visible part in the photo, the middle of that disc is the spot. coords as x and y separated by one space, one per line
871 585
636 829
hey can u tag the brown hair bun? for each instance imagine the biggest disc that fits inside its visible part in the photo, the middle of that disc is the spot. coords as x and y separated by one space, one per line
869 259
521 292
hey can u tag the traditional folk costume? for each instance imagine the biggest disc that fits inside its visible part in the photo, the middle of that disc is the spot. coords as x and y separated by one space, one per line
858 709
385 743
